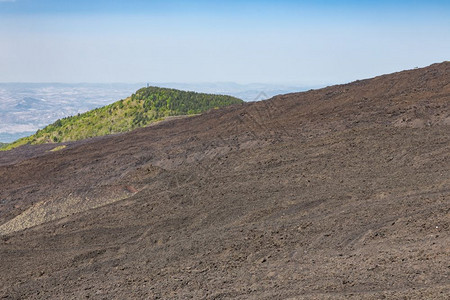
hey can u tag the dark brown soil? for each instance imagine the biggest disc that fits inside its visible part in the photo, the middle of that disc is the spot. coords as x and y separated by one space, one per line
338 193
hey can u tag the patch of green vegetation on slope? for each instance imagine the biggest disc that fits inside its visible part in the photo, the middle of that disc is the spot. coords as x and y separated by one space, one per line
147 105
3 145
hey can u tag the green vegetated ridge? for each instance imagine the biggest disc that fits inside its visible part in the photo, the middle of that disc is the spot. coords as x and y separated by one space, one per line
147 105
3 145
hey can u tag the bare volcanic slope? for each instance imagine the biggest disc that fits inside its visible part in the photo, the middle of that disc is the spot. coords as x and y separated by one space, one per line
337 193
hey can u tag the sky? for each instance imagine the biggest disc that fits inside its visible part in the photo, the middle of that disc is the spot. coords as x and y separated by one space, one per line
283 42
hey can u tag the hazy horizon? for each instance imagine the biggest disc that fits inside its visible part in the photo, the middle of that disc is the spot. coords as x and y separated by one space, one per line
281 42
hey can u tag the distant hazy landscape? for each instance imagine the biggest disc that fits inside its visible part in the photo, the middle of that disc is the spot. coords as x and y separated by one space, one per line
27 107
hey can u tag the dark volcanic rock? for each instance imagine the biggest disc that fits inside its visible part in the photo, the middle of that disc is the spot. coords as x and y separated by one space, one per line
337 193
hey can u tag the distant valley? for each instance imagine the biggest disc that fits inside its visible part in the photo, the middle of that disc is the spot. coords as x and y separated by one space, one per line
26 107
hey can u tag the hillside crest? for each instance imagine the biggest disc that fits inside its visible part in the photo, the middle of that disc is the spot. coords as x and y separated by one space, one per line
142 108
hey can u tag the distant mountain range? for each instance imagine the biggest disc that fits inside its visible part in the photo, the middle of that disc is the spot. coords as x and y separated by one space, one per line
27 107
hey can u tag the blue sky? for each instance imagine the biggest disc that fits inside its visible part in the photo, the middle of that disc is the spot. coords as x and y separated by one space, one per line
289 42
